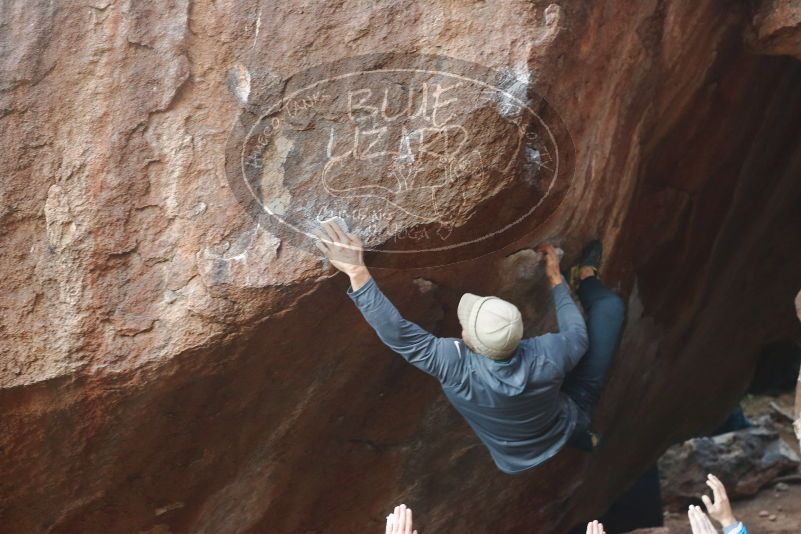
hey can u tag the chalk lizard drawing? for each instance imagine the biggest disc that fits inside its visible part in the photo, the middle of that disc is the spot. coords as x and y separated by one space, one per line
430 150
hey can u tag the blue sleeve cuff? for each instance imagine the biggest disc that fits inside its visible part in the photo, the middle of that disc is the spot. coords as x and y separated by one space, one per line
737 528
560 287
362 290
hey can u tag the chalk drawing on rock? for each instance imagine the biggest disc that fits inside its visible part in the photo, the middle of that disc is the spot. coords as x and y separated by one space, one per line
413 152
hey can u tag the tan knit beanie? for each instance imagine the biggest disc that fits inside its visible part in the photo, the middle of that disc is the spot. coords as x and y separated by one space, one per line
492 326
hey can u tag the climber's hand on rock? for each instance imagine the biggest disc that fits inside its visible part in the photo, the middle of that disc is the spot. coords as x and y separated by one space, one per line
699 522
595 527
345 252
551 263
720 509
400 521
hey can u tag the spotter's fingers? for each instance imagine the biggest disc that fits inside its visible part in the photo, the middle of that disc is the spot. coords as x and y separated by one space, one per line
716 490
707 503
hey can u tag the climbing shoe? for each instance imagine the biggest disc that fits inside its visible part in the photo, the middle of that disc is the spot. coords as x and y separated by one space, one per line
590 257
595 440
585 441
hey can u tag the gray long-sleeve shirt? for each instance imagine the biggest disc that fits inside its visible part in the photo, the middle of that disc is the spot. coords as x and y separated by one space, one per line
515 407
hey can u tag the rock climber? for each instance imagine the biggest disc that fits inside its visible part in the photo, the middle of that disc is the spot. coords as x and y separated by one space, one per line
525 399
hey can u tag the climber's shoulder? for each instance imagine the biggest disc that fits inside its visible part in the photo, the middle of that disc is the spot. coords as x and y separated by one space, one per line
537 355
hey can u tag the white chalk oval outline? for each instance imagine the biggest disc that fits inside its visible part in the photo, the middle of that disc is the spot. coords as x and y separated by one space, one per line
285 100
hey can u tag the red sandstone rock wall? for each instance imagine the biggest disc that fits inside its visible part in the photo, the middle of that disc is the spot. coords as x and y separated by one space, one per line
797 406
169 367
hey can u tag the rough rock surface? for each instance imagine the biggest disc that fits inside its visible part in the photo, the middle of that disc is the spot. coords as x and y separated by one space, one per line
745 461
168 366
775 27
797 409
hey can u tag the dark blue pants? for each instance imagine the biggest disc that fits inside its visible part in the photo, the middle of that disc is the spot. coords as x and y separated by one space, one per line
605 313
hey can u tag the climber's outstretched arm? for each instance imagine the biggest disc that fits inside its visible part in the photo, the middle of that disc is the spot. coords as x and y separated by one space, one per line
572 337
570 344
436 356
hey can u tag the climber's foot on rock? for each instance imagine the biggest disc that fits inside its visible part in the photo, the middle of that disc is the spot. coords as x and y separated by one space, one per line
588 264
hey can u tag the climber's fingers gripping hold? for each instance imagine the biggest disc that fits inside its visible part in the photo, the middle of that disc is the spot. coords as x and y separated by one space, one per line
551 263
344 250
